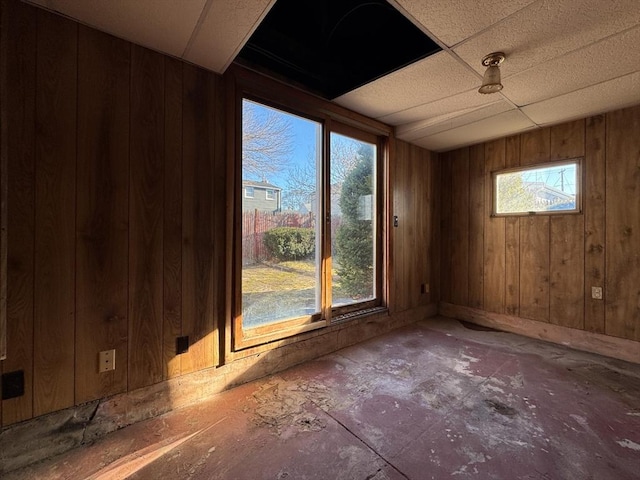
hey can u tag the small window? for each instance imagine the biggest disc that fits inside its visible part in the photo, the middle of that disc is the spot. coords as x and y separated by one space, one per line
271 194
540 189
248 192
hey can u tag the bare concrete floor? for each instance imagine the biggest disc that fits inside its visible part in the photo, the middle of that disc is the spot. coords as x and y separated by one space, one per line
434 400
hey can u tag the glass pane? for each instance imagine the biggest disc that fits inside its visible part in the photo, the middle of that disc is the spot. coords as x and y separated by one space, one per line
353 213
550 188
280 232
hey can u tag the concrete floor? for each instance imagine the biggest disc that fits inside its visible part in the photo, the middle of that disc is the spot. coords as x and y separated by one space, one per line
434 400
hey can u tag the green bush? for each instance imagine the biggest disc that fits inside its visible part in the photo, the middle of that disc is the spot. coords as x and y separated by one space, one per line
354 238
355 256
290 243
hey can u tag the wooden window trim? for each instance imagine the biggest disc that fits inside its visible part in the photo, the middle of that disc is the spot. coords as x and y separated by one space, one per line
245 84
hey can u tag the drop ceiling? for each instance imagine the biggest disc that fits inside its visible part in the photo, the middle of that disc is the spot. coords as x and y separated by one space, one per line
566 59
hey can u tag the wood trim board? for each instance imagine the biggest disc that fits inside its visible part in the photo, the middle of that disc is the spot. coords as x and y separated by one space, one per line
614 347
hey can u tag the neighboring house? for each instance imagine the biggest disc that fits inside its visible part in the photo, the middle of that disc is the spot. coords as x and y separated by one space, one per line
261 196
546 195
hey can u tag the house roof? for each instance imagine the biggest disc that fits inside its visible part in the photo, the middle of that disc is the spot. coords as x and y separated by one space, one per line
251 183
565 59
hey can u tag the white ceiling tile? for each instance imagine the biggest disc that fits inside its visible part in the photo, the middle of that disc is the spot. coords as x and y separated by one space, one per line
504 124
161 25
548 29
617 93
422 82
578 69
422 128
455 103
224 31
453 21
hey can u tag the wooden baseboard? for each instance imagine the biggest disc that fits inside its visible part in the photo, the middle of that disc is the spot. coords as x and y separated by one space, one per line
606 345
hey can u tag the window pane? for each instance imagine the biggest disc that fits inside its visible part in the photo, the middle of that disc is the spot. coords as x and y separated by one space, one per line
280 232
353 213
540 189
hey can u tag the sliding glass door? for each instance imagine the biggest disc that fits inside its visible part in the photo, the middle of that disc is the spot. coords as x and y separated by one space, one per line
309 222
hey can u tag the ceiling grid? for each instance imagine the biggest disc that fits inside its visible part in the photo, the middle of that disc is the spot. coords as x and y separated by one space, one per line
565 59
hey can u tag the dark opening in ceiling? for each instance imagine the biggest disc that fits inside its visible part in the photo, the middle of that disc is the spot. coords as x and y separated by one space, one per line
331 47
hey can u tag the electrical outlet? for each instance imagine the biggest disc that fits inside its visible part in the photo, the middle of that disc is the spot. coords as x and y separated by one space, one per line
107 361
596 292
12 384
182 345
424 288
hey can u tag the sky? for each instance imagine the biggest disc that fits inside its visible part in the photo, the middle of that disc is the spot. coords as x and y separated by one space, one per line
562 177
303 143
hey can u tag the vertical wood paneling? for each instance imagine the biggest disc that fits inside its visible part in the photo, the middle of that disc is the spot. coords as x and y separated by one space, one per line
446 224
535 146
567 140
146 218
398 263
622 295
512 239
19 25
103 205
413 240
172 244
534 268
593 202
476 226
494 238
433 227
460 229
3 190
417 241
219 185
551 262
566 288
534 238
402 238
566 267
54 302
197 259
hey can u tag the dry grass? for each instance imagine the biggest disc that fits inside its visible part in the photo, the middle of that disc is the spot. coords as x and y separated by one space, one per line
284 276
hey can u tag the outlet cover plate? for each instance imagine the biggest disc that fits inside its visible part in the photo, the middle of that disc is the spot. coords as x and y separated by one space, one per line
596 292
107 361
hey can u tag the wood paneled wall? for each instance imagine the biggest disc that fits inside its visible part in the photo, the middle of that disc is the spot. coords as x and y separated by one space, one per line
117 219
116 211
414 242
543 267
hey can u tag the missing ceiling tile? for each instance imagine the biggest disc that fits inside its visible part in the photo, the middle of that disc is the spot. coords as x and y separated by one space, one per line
331 47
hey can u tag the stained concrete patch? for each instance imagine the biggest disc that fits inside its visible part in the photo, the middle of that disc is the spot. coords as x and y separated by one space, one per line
626 443
501 408
281 405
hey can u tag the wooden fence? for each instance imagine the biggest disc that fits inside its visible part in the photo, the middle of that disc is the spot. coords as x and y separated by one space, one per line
255 223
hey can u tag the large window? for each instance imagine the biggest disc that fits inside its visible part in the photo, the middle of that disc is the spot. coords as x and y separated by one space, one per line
318 256
540 189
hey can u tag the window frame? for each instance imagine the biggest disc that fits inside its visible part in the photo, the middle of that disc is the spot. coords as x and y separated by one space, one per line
577 161
345 311
270 194
247 340
246 191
